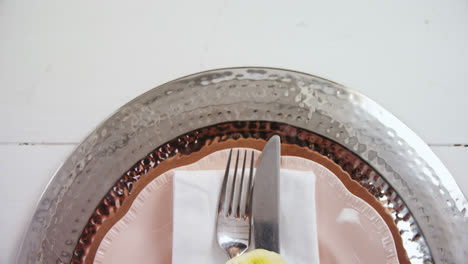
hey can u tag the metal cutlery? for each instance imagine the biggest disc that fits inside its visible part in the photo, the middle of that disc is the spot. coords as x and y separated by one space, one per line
265 201
234 207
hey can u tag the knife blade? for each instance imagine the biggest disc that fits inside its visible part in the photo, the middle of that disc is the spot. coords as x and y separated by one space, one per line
265 197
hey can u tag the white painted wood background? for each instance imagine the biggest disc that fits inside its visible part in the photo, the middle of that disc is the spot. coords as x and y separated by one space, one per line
67 65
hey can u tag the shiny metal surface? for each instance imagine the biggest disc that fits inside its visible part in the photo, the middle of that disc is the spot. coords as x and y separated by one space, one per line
265 201
234 215
427 191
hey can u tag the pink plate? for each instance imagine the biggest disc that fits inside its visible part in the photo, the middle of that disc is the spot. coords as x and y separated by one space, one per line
349 229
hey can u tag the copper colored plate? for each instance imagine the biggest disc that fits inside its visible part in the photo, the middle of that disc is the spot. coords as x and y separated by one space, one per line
358 176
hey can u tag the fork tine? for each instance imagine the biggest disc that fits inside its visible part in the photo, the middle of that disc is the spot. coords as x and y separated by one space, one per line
250 185
231 185
238 185
246 188
222 196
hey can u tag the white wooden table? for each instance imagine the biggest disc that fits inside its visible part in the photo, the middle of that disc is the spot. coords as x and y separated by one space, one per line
67 65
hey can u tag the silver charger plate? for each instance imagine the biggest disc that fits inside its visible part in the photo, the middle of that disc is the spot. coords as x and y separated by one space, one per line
438 207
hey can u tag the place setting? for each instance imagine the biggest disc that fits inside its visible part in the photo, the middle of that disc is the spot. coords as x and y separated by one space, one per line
250 165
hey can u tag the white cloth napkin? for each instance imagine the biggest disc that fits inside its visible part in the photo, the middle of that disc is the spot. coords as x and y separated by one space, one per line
194 229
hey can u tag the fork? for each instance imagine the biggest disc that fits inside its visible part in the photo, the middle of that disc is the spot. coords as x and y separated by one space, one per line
234 208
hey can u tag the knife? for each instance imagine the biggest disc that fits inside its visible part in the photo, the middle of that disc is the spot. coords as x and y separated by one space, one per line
265 197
